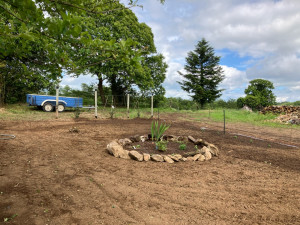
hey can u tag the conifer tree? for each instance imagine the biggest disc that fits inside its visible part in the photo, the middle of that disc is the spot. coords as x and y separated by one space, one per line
203 74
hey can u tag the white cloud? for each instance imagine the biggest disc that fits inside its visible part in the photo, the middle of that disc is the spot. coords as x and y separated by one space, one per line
75 82
234 78
266 31
280 69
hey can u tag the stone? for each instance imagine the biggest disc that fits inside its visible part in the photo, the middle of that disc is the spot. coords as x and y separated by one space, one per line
189 158
135 138
176 157
182 138
184 159
136 156
213 150
247 108
199 141
143 138
170 138
173 158
124 154
157 158
201 158
206 152
146 157
114 148
192 139
196 157
125 141
168 159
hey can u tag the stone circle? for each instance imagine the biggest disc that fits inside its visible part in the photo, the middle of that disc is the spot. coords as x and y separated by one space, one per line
207 152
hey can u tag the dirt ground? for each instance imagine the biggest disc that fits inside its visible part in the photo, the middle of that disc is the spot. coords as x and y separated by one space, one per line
49 175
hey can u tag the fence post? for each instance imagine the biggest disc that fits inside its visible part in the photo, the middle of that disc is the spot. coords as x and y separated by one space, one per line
96 105
128 96
56 105
152 106
224 120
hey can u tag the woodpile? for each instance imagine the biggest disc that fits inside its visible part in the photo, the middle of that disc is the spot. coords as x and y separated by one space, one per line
289 114
281 109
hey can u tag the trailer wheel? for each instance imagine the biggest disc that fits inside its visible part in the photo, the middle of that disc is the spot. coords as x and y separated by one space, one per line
48 107
61 107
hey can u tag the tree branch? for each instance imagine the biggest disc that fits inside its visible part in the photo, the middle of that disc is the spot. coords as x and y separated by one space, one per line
12 14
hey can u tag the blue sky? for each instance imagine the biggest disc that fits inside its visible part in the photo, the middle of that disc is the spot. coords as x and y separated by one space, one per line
255 39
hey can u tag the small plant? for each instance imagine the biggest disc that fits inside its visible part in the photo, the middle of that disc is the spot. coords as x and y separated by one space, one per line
235 136
161 145
251 141
157 130
269 146
196 147
112 112
138 113
182 146
10 218
77 112
136 146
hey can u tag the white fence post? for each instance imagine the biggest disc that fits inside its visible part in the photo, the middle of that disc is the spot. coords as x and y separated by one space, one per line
96 105
152 106
56 106
128 96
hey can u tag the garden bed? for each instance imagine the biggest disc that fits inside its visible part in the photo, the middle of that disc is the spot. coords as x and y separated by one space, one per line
169 149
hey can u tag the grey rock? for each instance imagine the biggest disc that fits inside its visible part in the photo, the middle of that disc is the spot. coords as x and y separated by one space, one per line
125 141
136 156
135 138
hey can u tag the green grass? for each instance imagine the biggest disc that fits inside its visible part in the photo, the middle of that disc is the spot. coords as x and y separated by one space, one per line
23 112
240 116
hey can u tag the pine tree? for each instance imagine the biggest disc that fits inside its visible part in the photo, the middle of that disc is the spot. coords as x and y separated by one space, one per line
203 74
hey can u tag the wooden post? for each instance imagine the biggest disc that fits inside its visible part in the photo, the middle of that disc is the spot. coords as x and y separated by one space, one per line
96 105
128 96
56 105
224 120
152 106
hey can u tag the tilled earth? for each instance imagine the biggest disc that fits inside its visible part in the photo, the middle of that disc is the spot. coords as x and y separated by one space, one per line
49 175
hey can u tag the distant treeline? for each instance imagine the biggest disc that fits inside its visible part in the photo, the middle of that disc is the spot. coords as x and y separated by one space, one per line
137 100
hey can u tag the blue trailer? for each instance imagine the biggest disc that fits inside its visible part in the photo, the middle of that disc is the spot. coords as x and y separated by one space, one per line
48 102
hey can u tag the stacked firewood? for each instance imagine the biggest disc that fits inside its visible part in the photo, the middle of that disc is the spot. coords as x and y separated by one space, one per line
281 109
290 114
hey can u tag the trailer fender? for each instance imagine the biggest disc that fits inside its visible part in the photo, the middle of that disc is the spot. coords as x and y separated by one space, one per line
53 102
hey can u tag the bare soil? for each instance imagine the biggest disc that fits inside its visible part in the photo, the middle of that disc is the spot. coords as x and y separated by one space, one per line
172 147
49 175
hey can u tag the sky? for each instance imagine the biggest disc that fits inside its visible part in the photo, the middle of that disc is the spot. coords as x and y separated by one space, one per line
255 39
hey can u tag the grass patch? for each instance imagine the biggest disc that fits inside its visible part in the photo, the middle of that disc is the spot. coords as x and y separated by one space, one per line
240 116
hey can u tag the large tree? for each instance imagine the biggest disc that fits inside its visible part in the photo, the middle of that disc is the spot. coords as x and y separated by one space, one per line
36 37
258 94
121 74
203 74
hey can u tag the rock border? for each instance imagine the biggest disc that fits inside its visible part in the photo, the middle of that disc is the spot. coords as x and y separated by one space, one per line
206 153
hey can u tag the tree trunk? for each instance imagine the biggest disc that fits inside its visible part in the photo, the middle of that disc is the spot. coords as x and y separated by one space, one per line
100 88
2 90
